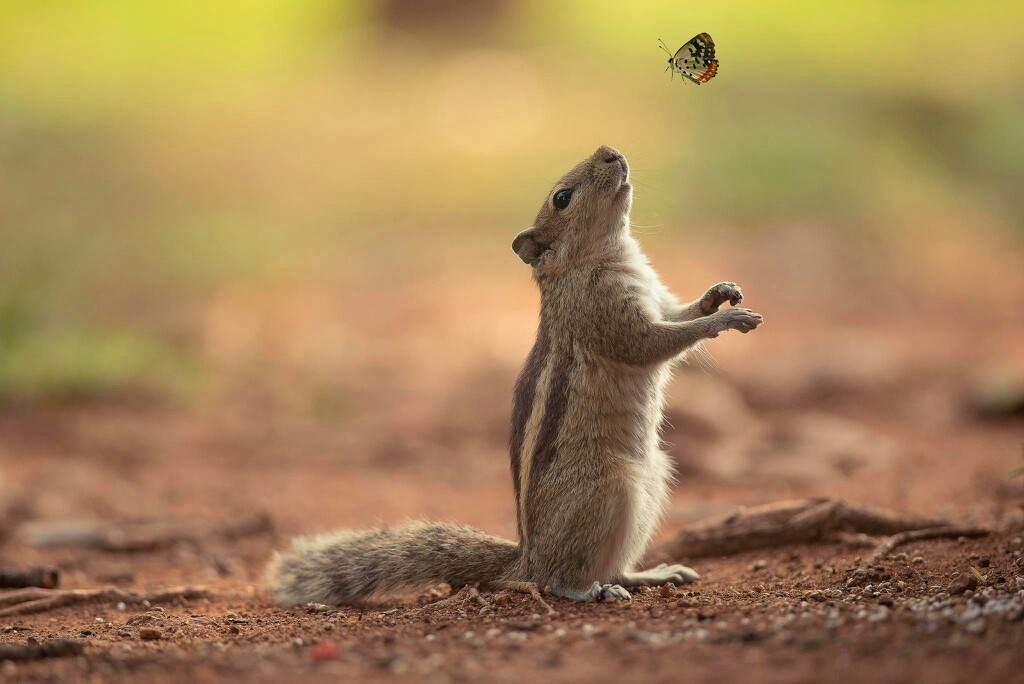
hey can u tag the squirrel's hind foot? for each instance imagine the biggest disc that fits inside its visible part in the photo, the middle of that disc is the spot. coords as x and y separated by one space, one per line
673 574
596 592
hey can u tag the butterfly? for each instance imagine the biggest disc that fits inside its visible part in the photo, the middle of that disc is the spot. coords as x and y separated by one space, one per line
695 60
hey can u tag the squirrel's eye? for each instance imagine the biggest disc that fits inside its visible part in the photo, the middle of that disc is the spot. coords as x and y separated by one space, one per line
562 198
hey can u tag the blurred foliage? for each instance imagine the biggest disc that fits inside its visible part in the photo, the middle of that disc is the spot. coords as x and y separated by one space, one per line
77 361
152 153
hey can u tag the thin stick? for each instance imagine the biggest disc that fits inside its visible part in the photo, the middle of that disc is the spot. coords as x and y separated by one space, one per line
474 594
883 550
460 597
23 595
530 588
470 592
26 601
855 540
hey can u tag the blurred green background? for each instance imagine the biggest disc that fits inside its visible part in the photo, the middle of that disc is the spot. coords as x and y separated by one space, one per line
160 162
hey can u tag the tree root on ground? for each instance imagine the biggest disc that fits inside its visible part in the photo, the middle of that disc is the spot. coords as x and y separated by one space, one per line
802 521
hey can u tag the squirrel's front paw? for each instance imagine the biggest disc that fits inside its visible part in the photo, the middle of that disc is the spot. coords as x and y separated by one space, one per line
719 294
743 320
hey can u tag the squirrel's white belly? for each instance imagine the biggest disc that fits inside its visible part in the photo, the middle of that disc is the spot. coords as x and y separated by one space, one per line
630 438
649 477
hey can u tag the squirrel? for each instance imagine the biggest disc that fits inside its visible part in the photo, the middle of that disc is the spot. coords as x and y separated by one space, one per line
590 478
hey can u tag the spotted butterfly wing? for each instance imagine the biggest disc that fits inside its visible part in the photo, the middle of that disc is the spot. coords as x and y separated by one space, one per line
695 60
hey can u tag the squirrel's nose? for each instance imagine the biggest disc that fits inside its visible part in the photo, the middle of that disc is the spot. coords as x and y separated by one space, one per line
610 158
608 155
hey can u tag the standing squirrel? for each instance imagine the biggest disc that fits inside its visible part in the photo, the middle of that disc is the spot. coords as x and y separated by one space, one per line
590 478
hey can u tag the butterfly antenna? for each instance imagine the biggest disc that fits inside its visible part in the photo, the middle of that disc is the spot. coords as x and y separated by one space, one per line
664 47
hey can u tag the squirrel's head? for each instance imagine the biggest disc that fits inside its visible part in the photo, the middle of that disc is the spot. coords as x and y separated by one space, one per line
585 214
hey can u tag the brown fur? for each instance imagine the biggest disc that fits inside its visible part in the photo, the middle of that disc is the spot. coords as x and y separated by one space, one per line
590 477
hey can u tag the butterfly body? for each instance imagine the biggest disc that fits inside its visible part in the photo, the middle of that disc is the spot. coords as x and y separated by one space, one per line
695 60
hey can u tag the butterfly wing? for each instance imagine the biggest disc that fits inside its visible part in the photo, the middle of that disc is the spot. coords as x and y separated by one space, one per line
696 59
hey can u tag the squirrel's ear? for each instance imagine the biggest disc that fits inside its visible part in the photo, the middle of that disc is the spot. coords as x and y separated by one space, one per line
526 246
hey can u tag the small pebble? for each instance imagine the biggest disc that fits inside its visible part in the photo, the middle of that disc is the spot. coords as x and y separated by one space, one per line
964 582
917 560
325 651
759 564
150 634
975 626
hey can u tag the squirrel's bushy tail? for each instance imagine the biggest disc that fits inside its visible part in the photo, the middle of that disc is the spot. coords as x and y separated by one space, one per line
350 566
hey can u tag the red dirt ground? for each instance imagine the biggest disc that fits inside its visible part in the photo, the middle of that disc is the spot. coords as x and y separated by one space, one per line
875 410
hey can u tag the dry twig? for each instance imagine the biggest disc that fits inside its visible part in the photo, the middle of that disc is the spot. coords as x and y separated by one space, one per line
14 578
26 601
530 588
470 592
883 550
